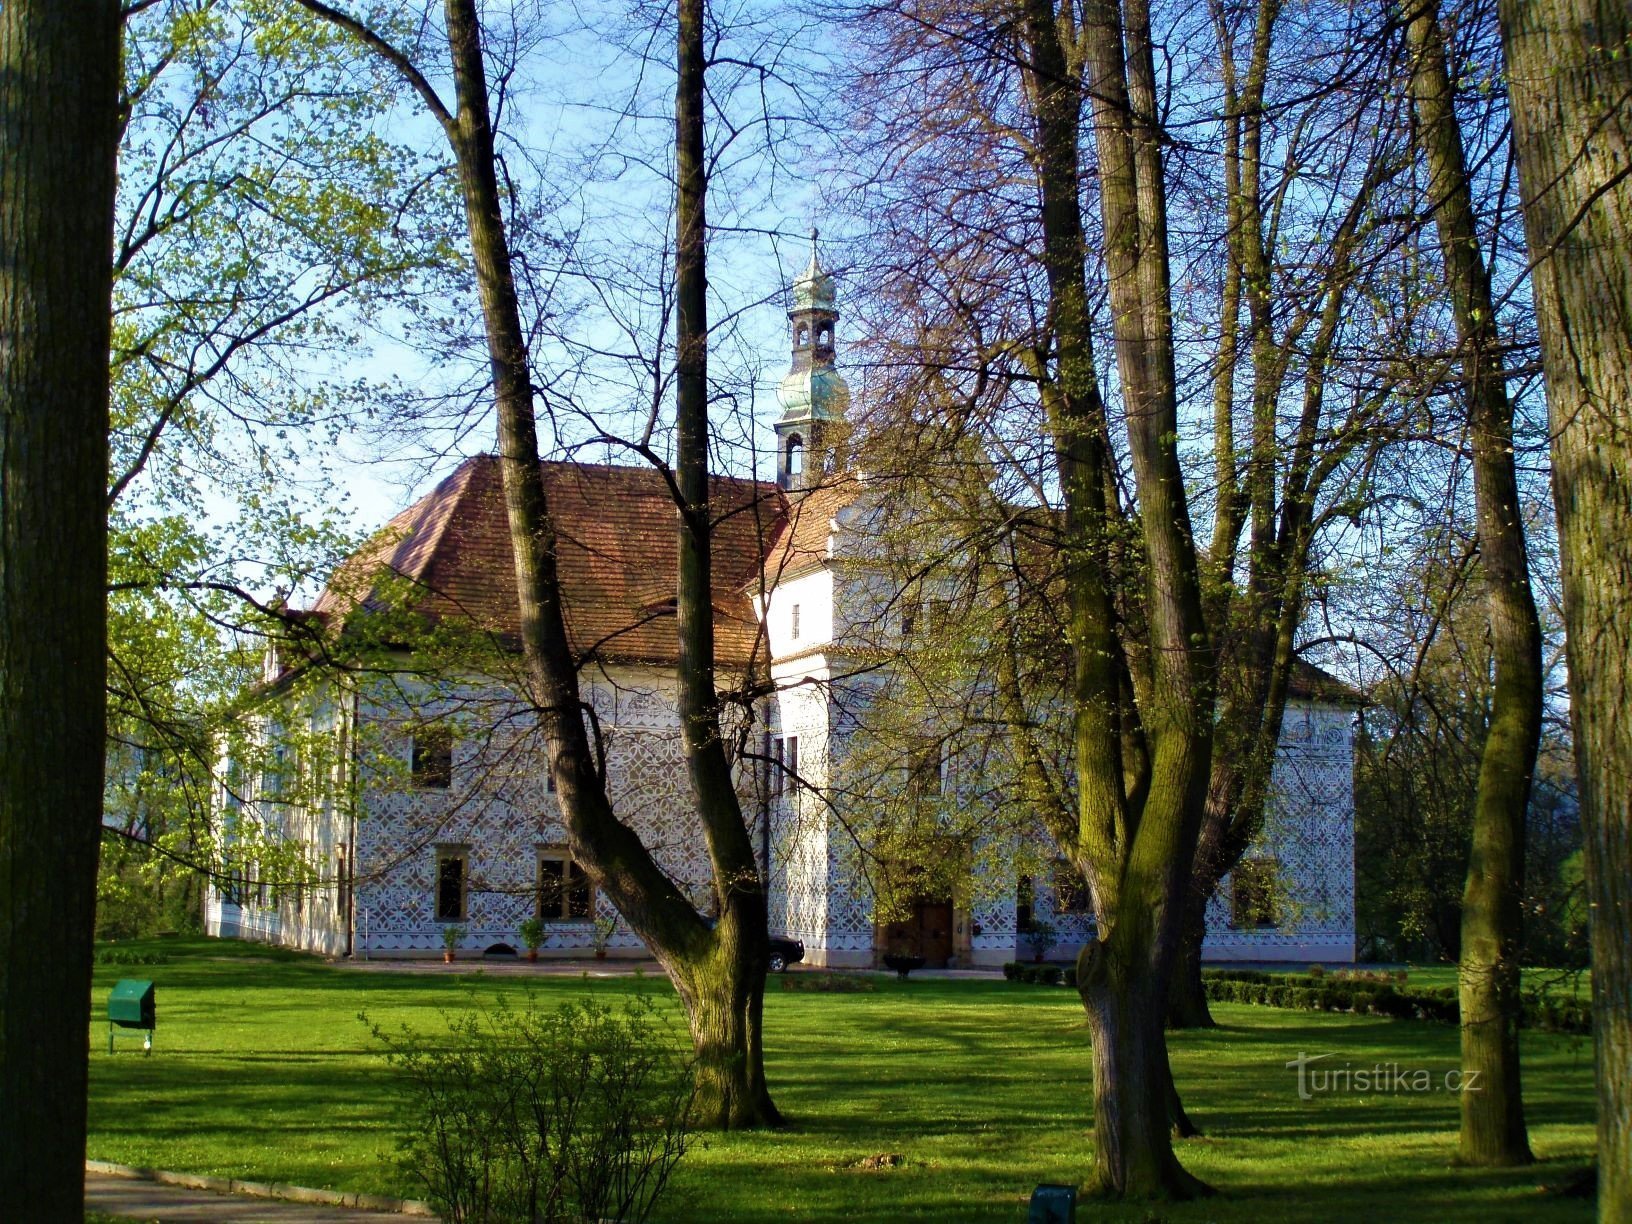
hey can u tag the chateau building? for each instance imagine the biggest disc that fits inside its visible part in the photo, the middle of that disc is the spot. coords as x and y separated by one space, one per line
429 810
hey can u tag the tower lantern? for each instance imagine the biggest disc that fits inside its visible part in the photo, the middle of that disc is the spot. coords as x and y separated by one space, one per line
813 395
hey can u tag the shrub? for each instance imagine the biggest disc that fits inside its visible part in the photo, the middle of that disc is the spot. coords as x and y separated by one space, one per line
828 983
1048 975
522 1116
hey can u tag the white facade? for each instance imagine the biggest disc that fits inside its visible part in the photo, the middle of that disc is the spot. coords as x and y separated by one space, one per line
382 841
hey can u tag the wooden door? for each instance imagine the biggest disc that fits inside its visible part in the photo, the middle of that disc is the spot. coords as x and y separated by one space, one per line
934 922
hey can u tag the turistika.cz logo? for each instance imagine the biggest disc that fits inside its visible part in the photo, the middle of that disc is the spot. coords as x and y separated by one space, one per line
1316 1077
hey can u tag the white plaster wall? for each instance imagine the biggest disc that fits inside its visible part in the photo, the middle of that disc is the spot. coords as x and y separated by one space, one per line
1309 831
813 593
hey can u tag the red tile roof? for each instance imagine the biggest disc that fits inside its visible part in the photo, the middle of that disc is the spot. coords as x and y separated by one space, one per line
616 551
801 541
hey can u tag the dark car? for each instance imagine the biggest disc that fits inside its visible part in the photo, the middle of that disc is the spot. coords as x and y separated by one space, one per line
784 952
781 953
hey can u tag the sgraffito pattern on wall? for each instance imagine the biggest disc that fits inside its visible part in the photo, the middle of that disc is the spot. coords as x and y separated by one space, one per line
1309 833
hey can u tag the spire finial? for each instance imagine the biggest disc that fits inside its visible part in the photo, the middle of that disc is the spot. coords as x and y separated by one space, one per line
814 235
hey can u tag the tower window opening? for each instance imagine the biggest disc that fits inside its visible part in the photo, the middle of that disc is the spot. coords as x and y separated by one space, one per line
824 338
796 455
802 336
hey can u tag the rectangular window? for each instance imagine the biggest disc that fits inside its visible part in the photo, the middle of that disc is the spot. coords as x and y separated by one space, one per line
451 882
1070 890
924 769
564 891
793 622
1025 904
1253 894
783 767
909 617
433 758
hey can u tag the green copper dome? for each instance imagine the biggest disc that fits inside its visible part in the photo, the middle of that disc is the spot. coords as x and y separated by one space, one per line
814 290
817 392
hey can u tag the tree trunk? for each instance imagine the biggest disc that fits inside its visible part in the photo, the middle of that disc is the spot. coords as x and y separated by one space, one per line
1569 77
1493 1130
1134 1096
728 988
59 95
724 1006
1186 993
718 971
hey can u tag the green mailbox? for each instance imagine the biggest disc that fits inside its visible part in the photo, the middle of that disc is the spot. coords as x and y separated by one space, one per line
130 1006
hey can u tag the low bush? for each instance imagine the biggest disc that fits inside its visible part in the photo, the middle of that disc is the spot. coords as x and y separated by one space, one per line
523 1116
1378 993
828 983
130 956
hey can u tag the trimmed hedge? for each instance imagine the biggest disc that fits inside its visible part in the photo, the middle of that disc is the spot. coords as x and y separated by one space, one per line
1379 994
1363 992
1041 975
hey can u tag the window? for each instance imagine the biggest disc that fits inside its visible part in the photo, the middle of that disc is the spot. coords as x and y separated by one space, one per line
1025 904
924 769
793 622
450 883
564 891
1070 890
784 765
824 338
432 766
796 455
1252 894
911 617
801 336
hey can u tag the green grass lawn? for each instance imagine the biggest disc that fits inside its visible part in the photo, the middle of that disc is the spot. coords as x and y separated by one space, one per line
262 1070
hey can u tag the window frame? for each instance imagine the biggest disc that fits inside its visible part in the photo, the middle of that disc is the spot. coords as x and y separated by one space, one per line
924 752
431 773
451 852
573 877
1071 894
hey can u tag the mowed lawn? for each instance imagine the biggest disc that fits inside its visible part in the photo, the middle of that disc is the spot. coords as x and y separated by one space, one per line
262 1070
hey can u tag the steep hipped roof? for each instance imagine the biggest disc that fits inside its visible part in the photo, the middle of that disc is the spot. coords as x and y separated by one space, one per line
616 551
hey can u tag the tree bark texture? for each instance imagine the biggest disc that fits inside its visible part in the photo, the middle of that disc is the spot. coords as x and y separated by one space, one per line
717 970
59 99
1493 1130
1569 66
1141 773
728 984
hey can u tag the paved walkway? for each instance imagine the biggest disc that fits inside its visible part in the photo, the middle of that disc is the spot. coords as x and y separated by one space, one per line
147 1201
504 966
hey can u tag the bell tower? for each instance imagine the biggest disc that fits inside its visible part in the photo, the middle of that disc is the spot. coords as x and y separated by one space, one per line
813 395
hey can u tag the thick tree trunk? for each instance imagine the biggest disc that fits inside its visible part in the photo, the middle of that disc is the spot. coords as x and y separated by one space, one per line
724 1006
1570 77
1186 993
59 96
1134 1096
1493 1130
718 970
